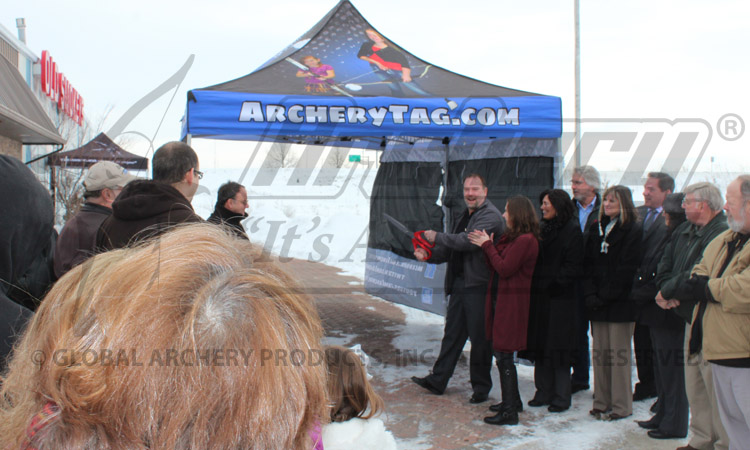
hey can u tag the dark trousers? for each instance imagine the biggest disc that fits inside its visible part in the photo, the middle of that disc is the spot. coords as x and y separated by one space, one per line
581 361
644 357
464 319
669 368
552 383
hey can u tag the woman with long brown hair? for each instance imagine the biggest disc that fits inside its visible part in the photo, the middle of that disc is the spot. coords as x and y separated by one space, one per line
512 261
611 259
180 343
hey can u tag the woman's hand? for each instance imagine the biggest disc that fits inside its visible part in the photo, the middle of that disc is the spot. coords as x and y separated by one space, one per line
478 238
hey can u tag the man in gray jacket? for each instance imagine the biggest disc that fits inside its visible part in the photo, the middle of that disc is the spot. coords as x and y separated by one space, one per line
466 281
705 221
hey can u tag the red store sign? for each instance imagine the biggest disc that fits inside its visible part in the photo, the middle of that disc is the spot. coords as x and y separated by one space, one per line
57 87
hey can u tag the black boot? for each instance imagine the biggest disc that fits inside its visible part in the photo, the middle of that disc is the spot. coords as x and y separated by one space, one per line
497 407
507 415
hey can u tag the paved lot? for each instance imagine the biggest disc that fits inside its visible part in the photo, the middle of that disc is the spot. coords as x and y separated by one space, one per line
420 420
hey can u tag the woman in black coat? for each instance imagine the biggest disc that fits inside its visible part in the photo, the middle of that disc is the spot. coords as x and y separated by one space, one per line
611 259
553 318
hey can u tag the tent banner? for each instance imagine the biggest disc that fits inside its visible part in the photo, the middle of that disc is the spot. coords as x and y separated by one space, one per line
405 281
237 115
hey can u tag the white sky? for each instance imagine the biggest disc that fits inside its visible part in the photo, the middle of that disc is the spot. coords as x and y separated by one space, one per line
640 59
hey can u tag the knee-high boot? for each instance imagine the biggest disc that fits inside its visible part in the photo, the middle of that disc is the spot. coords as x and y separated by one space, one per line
508 414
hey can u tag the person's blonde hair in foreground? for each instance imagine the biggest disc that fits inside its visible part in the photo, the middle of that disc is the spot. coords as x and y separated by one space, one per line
354 406
179 343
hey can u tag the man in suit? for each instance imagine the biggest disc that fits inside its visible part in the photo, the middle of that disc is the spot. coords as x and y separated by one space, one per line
658 185
466 284
585 185
705 221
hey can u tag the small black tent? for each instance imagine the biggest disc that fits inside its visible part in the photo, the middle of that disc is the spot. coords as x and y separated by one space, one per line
101 148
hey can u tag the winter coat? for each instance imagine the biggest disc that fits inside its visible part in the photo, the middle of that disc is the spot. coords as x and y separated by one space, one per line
27 234
359 434
726 323
553 317
232 220
77 239
644 291
455 248
507 306
609 276
144 209
26 248
682 253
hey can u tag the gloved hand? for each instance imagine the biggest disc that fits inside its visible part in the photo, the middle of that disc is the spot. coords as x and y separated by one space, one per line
594 303
699 285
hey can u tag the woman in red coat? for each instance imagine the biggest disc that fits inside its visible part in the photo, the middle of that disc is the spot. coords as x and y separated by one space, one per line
507 309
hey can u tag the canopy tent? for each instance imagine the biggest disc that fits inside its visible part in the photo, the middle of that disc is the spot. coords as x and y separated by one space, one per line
344 84
101 148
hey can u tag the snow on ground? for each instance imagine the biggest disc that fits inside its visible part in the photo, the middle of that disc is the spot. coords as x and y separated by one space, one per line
322 216
316 215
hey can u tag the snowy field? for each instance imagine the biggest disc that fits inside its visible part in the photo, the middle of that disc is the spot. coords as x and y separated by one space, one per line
323 216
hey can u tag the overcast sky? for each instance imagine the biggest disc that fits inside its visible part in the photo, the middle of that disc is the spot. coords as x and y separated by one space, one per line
640 59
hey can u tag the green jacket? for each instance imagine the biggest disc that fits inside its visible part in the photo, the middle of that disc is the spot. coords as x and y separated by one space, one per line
683 252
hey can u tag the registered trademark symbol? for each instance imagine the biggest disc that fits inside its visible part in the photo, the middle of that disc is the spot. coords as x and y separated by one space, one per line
730 127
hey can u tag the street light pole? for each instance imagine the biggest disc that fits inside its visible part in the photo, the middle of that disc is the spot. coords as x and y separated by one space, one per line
577 139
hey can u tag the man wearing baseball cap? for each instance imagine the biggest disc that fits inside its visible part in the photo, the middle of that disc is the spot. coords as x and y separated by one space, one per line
77 240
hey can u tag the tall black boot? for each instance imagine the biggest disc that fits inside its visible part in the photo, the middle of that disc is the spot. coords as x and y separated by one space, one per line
508 414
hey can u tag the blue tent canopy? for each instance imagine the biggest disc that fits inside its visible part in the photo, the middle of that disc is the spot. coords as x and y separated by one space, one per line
343 83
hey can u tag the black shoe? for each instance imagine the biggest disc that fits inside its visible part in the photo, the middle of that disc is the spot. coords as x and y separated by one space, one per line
503 418
500 406
657 434
556 409
643 393
647 424
426 384
654 407
578 388
536 403
478 398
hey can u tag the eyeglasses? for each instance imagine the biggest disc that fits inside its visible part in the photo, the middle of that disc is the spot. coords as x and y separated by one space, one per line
688 202
198 174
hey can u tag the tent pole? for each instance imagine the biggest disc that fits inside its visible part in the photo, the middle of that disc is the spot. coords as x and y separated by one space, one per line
577 141
189 139
446 211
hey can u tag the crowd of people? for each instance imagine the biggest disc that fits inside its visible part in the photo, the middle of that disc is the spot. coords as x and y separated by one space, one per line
150 328
158 329
666 282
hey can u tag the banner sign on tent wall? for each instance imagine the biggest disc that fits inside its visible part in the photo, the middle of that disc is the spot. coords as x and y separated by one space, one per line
405 281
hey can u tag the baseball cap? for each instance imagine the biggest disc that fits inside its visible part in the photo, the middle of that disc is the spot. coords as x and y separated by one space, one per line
106 174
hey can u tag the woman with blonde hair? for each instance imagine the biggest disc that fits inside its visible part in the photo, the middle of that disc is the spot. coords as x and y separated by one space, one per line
611 258
178 343
355 405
